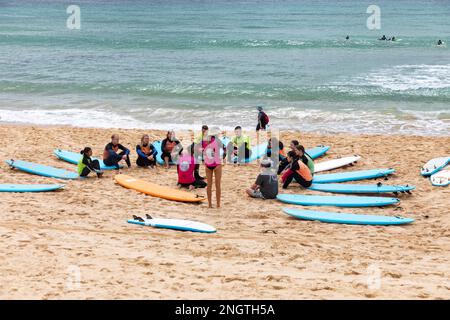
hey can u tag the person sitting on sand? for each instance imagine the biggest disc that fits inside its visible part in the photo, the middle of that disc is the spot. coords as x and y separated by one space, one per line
186 168
241 145
86 165
305 158
298 171
281 151
170 146
146 153
110 155
284 163
213 167
266 185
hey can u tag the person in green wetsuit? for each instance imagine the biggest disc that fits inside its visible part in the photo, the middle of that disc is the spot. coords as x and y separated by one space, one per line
86 165
304 157
241 145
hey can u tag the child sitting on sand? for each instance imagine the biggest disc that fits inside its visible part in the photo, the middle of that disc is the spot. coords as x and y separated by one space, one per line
266 185
111 157
241 144
296 170
146 153
86 165
186 169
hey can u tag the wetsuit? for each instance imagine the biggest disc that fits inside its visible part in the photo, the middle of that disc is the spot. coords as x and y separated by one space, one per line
281 154
112 158
168 146
144 152
300 172
186 170
86 165
262 121
242 147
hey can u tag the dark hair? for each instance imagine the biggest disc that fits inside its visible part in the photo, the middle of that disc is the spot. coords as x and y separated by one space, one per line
295 142
85 150
205 127
291 154
301 148
238 128
114 135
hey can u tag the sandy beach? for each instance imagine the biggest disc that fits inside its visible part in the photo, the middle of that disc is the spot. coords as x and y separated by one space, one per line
49 241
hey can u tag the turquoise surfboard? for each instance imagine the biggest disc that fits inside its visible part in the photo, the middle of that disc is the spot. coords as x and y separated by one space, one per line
42 170
317 152
74 157
336 201
159 160
12 187
359 188
347 218
352 175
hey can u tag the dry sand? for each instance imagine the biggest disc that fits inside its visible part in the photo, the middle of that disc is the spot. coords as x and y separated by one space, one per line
49 240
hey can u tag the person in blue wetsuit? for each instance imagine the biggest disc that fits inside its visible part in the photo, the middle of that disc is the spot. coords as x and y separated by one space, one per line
112 156
146 153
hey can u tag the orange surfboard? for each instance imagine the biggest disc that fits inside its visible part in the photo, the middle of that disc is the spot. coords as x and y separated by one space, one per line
155 190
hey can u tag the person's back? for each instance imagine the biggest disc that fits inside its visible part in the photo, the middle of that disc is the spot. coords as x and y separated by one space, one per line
185 168
310 163
268 184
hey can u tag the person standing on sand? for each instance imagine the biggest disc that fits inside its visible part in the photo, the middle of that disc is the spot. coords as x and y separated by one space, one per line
213 167
263 119
111 157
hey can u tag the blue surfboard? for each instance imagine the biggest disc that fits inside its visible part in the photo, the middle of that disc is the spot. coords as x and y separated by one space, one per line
317 152
159 160
336 201
74 157
352 175
42 170
359 188
12 187
346 218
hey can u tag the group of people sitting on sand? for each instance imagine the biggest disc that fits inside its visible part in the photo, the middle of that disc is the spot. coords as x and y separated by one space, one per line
212 151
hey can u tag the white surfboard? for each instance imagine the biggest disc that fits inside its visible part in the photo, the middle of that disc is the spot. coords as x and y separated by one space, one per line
176 224
335 163
441 178
434 165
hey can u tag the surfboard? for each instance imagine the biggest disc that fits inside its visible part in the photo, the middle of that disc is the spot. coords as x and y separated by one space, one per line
176 224
359 188
434 165
441 178
337 201
74 157
347 218
159 159
155 190
42 170
11 187
335 163
352 175
317 152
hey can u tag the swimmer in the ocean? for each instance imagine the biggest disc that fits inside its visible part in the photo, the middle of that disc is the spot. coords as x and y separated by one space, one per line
440 43
383 37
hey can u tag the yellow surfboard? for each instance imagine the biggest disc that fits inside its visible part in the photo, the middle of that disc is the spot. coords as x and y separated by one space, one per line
155 190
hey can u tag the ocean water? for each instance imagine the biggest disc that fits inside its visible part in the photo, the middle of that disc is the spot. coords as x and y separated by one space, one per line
179 64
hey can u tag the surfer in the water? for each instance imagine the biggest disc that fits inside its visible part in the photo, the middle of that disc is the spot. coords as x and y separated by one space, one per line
266 184
241 145
170 146
146 153
86 165
111 157
297 170
383 38
440 43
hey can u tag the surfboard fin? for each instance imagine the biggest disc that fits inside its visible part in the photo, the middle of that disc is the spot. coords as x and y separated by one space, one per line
138 218
148 216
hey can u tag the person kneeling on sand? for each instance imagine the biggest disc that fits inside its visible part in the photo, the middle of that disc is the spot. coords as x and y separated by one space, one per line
146 153
186 169
266 185
296 170
111 157
86 165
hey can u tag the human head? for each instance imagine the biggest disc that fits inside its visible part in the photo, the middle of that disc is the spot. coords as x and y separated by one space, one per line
145 139
300 150
115 139
204 129
266 163
259 108
238 131
290 156
170 134
87 151
294 144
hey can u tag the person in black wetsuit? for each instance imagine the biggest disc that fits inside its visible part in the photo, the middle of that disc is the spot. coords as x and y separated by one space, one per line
170 146
111 156
284 163
146 153
297 171
263 119
86 165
